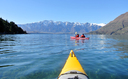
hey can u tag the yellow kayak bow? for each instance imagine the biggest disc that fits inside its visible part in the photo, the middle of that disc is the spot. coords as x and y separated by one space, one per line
72 69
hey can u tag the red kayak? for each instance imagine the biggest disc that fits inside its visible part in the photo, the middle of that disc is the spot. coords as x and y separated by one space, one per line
72 37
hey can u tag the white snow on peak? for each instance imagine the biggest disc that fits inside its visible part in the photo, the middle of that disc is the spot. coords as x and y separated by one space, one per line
66 23
91 24
58 22
101 24
77 23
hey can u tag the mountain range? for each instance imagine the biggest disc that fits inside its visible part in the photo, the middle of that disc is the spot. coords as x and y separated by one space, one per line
119 26
49 26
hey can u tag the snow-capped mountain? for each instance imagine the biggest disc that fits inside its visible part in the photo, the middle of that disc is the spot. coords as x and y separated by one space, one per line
59 26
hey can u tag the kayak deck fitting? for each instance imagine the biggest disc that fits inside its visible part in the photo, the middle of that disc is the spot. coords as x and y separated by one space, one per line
72 69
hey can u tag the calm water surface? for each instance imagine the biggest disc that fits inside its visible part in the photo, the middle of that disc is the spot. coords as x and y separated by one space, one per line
42 56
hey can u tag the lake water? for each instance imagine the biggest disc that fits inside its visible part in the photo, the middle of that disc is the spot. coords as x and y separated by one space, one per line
42 56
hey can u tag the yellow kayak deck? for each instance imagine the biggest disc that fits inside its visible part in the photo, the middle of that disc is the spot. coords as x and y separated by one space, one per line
72 64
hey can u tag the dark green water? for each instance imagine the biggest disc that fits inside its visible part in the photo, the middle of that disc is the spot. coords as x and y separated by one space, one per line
42 56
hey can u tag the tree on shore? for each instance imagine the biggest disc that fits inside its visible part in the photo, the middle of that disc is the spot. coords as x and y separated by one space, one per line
10 28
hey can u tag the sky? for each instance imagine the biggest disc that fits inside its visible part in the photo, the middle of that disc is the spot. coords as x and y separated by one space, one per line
91 11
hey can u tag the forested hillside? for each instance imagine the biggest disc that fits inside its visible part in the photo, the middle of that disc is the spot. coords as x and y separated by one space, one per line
10 27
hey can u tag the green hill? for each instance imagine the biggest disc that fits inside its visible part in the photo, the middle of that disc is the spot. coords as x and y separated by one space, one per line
10 28
118 26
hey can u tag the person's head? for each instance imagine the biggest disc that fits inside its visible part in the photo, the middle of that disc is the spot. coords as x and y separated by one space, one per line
82 34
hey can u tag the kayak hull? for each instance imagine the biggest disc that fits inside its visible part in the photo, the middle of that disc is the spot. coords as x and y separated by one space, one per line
72 69
72 37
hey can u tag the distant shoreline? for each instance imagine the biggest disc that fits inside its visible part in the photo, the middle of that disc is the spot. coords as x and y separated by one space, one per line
50 33
12 33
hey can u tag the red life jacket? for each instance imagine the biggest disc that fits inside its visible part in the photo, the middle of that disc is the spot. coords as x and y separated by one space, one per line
82 36
77 35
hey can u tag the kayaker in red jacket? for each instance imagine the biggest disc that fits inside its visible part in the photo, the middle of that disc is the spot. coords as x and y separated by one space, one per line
77 35
82 36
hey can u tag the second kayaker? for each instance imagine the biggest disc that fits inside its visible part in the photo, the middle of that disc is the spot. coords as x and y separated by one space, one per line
77 35
82 36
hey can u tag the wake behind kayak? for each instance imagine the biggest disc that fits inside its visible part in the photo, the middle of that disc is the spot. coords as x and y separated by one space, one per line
72 69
